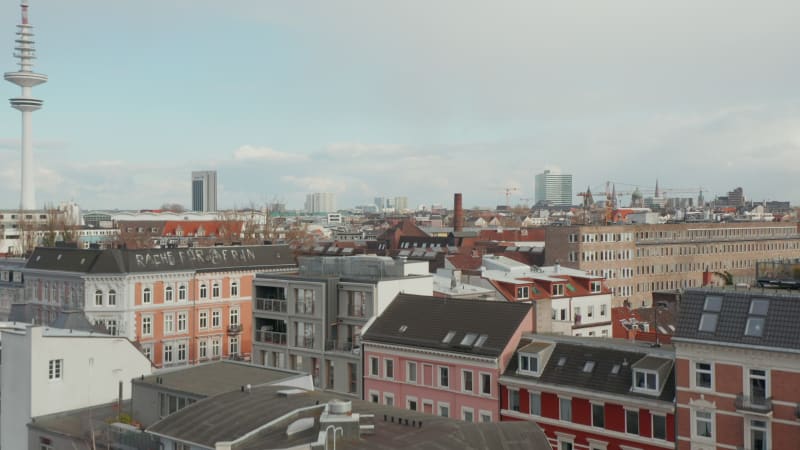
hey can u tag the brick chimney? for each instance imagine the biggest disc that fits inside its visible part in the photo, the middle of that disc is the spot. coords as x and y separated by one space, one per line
458 213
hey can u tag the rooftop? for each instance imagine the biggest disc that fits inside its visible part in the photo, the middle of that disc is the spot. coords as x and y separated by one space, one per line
215 377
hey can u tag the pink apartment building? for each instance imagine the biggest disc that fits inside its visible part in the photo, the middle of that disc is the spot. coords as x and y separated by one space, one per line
442 356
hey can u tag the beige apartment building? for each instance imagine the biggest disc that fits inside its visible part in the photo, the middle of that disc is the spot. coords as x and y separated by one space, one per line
637 260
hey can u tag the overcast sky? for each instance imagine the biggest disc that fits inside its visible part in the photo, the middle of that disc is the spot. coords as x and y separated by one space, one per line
406 98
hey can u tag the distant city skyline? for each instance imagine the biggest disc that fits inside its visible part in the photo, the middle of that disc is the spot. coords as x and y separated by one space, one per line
283 100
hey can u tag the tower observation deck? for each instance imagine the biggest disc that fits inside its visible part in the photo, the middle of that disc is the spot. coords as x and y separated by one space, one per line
26 78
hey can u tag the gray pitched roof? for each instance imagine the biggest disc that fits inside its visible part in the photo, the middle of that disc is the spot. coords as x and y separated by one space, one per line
602 377
232 415
779 326
424 321
159 260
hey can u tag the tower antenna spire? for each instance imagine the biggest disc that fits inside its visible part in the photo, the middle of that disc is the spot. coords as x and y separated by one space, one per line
26 79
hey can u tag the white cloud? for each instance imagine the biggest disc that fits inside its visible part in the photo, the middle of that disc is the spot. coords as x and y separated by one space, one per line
249 152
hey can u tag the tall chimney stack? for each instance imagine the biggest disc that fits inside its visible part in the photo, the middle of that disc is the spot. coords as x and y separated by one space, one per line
458 213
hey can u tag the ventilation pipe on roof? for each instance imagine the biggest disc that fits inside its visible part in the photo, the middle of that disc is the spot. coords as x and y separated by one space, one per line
556 266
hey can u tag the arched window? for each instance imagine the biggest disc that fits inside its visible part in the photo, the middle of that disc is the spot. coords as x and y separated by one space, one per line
215 290
147 295
112 297
234 288
181 293
98 298
168 294
203 291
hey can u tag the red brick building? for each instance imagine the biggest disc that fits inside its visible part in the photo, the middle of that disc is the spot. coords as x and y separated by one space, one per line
596 394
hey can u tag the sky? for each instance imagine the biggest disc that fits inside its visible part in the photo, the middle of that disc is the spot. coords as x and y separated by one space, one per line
415 98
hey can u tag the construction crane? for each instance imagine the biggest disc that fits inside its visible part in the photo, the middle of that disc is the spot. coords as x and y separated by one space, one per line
509 190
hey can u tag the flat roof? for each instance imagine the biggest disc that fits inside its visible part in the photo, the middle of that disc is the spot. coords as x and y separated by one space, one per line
215 377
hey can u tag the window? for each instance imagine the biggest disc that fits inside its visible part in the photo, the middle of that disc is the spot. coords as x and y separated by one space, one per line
216 347
595 287
147 325
703 375
215 290
169 323
466 381
528 363
305 301
469 339
182 351
535 403
182 322
755 321
758 435
111 327
146 295
758 385
147 351
98 298
112 297
167 353
486 384
522 292
215 318
558 290
388 368
356 304
411 372
203 291
56 369
233 346
444 377
411 403
467 414
203 320
448 337
234 288
603 310
486 416
513 400
703 423
711 309
168 294
203 349
660 427
565 409
632 421
374 366
598 415
388 399
181 293
234 316
645 381
374 397
444 409
590 311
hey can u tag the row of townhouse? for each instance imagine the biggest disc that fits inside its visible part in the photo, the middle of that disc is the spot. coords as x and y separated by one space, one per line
181 306
731 379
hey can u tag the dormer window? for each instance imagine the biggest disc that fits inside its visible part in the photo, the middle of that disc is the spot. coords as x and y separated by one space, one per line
595 287
645 381
528 364
523 293
558 290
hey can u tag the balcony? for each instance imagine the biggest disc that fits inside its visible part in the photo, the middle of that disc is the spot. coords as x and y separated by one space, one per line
271 304
754 404
270 337
235 328
304 342
339 346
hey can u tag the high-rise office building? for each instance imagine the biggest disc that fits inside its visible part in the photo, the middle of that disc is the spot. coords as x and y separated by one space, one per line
553 187
204 190
320 202
400 204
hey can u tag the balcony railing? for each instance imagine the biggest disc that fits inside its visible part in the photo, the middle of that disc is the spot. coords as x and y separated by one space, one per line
234 328
305 342
338 346
271 337
271 304
755 404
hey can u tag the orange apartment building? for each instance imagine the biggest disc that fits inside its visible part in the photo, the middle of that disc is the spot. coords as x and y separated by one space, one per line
182 306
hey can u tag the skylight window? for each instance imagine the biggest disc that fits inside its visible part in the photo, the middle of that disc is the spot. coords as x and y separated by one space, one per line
403 328
615 369
711 309
588 366
759 306
481 340
449 337
755 322
561 361
469 339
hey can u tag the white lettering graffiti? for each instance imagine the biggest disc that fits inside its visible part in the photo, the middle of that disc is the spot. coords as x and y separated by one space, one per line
199 256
